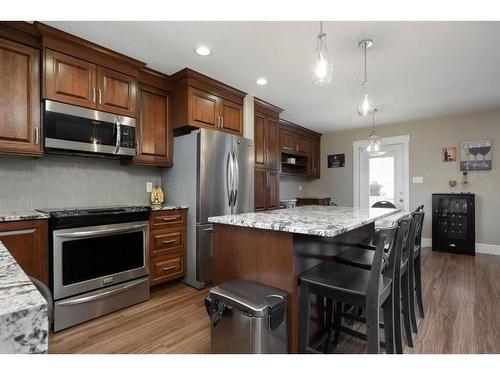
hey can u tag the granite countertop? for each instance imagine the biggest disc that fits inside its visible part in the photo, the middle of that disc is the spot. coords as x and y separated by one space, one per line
23 310
167 207
22 215
325 221
391 220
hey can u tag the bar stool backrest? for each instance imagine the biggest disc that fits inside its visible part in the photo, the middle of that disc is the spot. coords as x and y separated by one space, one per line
418 218
403 242
383 204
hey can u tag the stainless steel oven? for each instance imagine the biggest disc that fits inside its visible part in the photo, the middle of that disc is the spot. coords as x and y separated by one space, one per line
93 257
98 261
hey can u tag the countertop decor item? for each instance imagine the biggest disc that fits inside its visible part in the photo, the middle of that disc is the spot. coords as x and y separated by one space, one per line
475 155
157 196
465 180
452 184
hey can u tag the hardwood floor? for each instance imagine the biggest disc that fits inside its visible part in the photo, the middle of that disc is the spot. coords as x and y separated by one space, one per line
461 296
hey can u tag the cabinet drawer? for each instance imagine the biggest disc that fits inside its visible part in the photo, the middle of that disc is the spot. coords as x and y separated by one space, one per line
167 267
168 218
163 241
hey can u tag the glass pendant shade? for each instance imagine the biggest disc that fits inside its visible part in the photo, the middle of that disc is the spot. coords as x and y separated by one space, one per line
321 67
365 107
375 146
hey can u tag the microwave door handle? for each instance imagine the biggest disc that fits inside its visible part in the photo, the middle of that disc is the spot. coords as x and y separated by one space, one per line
100 232
118 136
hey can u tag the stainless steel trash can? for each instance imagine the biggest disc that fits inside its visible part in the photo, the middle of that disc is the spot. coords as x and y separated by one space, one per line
247 317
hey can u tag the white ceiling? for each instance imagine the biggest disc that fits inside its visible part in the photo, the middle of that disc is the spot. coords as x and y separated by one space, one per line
416 69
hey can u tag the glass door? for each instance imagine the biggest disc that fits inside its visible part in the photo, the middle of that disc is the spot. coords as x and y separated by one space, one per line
381 178
452 217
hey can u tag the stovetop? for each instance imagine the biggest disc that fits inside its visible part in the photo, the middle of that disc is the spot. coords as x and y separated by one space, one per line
92 211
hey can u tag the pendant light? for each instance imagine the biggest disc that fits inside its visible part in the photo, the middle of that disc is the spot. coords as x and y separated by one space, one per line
321 67
375 145
365 106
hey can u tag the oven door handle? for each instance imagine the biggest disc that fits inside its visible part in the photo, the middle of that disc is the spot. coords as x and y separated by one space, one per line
101 232
107 293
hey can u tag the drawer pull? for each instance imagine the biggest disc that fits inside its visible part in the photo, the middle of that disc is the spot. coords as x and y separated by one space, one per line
168 268
169 241
170 218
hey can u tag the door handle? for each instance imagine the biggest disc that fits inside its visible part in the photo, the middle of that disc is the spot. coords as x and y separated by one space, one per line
100 96
229 178
118 136
93 94
236 177
221 122
102 232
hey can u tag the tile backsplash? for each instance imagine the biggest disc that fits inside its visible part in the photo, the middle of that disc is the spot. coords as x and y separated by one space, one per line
70 181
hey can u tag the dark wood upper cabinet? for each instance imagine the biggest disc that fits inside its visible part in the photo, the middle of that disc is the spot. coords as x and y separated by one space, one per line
116 92
27 241
266 134
301 144
153 127
20 131
78 72
69 80
202 102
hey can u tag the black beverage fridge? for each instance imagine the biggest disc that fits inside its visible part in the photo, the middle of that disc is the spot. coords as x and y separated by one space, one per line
453 223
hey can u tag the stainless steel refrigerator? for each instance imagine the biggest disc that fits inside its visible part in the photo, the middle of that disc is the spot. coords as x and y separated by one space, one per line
213 173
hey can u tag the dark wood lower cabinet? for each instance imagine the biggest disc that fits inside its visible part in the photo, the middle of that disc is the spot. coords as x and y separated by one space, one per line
27 241
266 193
167 246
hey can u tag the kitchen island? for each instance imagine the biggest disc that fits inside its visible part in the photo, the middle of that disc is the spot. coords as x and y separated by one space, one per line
275 247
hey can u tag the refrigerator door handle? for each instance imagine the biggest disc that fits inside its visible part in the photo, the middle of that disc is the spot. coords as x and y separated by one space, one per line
236 178
229 178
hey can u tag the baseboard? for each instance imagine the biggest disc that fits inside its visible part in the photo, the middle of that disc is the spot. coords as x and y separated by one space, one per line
481 248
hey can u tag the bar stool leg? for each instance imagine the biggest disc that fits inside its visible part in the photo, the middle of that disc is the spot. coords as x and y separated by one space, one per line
329 325
304 310
372 328
389 325
411 297
337 322
405 291
418 286
396 308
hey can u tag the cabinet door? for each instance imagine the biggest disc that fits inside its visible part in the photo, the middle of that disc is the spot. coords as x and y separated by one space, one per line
231 117
69 80
273 200
315 158
117 92
301 145
203 108
260 190
27 241
271 143
259 126
154 132
287 141
19 99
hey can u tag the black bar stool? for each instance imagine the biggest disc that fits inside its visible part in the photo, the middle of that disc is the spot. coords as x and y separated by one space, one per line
370 290
383 204
363 258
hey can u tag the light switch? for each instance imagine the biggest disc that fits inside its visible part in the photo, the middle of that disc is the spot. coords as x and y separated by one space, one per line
300 187
149 187
418 180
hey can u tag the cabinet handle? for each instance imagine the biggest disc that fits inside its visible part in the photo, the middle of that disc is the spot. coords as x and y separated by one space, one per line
169 241
170 218
100 96
168 268
37 135
221 122
93 94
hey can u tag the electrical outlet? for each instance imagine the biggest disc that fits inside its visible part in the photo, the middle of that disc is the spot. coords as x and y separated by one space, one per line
149 187
418 180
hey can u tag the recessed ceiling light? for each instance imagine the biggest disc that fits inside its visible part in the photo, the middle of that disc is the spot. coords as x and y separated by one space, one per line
261 81
203 51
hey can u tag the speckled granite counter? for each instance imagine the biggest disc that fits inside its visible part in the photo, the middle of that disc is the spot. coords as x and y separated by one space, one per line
167 207
325 221
23 310
22 215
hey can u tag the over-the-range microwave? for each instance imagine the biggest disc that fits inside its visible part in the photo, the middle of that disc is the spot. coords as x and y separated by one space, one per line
72 129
